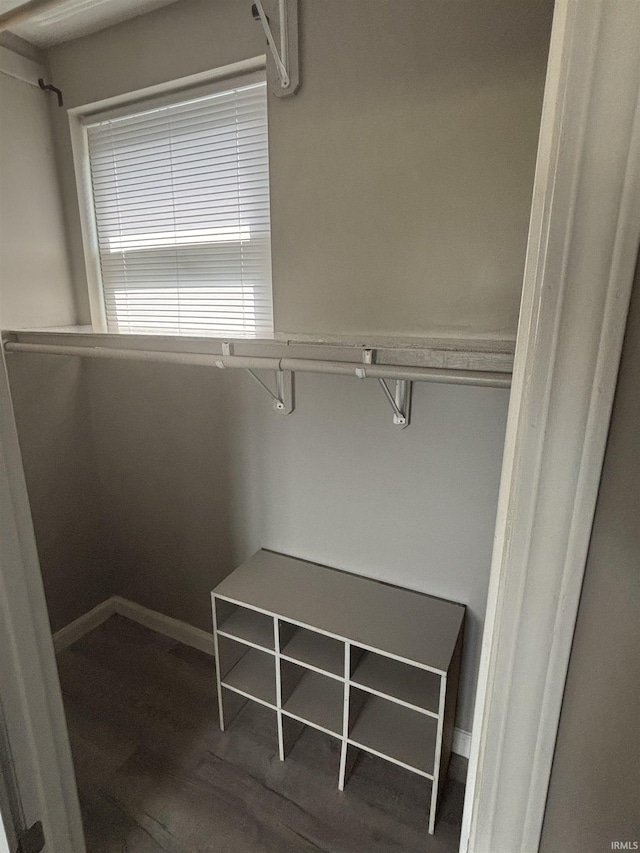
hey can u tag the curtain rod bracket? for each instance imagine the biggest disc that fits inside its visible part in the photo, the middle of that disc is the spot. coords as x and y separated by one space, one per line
47 87
283 401
400 401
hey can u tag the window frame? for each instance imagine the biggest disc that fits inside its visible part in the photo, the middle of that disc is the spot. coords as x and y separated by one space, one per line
206 82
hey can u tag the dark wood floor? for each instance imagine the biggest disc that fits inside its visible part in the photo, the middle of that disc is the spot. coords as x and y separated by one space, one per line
155 773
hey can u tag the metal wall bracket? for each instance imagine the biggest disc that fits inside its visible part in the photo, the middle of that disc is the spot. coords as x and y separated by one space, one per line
400 401
284 51
283 399
47 87
227 349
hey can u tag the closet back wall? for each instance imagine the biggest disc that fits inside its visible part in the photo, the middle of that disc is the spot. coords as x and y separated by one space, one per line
401 177
197 472
401 172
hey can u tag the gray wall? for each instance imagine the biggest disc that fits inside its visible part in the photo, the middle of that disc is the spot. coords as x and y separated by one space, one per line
595 786
35 284
197 471
401 173
401 177
51 405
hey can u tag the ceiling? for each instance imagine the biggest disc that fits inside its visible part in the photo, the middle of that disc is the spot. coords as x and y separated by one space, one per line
75 18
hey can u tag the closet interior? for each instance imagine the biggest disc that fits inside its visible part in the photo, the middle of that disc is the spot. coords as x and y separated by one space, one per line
260 284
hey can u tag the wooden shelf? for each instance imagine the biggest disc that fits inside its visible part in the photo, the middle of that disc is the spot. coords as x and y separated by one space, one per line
466 353
249 626
398 681
397 733
316 650
254 676
319 701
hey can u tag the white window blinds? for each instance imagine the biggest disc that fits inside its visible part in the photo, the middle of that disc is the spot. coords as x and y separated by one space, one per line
181 199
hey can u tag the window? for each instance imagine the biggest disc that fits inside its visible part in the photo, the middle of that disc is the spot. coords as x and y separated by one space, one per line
180 194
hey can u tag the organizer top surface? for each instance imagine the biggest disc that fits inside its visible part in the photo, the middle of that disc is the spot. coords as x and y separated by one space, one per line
407 624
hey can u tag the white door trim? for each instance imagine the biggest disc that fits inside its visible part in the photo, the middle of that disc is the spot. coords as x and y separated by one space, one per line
583 242
29 686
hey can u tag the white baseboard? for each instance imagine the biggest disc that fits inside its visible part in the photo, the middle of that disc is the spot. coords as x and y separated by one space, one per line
167 625
177 630
83 624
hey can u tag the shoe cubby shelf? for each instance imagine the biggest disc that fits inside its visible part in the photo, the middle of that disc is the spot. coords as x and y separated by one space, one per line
371 664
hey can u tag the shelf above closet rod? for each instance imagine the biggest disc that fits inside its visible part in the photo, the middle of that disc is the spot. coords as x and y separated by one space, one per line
298 365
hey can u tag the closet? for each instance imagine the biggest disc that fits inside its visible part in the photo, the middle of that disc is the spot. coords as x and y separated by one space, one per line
400 176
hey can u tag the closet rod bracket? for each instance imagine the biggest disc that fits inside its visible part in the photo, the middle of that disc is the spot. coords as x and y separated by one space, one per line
283 401
400 401
284 53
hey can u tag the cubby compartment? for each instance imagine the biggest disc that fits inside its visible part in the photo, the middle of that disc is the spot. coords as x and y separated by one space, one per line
312 649
393 731
247 671
246 625
312 698
318 646
399 681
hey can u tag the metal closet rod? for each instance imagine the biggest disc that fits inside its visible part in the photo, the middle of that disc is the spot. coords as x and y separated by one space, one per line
296 365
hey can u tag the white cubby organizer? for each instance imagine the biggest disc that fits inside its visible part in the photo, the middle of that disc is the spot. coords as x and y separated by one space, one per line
373 665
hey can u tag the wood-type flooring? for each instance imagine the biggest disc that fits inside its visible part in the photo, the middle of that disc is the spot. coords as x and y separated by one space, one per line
155 773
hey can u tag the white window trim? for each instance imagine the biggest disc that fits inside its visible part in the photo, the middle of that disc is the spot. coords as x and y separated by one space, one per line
78 117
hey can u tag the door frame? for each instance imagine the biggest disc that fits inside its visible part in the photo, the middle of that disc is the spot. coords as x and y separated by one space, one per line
34 720
35 758
581 255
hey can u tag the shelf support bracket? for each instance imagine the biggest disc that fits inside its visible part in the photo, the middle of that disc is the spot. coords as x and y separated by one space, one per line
284 54
400 401
283 401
